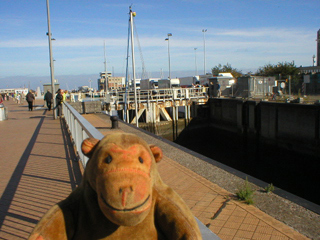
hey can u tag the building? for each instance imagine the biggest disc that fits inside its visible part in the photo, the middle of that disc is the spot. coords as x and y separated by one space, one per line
255 86
311 84
48 86
14 90
307 70
226 82
313 69
116 82
102 81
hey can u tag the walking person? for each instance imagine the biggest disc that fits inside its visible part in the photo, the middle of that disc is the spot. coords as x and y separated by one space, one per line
48 99
59 100
19 98
22 97
30 99
64 95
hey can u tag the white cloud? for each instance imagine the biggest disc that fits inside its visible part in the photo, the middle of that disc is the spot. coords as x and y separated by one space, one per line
278 33
243 48
68 42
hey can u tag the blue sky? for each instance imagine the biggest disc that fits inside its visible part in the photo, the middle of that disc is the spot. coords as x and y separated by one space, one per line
246 34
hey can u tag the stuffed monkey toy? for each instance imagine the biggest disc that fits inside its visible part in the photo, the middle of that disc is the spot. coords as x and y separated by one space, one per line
121 196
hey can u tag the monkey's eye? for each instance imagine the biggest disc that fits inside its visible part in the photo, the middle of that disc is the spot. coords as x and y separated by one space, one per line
108 159
140 160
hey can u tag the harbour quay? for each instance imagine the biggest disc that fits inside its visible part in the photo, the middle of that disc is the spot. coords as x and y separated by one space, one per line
40 167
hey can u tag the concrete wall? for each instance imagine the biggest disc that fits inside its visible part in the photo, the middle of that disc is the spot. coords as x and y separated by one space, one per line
227 112
294 124
87 107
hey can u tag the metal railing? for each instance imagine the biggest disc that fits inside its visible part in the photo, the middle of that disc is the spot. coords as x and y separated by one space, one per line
156 95
80 129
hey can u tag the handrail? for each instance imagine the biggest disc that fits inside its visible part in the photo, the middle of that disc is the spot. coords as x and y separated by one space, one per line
157 94
81 129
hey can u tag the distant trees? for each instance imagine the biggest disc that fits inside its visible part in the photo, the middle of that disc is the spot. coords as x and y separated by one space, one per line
282 71
283 68
226 68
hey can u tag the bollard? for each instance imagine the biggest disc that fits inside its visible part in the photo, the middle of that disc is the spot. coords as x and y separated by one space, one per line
114 121
3 112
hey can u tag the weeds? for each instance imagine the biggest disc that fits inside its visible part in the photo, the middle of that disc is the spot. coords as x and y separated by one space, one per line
245 193
269 188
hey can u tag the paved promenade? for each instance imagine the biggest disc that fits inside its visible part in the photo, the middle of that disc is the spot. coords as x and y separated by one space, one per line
38 169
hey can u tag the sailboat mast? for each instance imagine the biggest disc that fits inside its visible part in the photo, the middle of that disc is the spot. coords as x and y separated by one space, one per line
105 59
126 118
132 14
105 67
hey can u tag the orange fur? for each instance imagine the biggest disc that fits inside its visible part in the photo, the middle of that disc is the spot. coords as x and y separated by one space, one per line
121 197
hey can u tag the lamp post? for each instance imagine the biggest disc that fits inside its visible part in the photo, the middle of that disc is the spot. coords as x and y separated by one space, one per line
51 59
195 61
168 39
204 51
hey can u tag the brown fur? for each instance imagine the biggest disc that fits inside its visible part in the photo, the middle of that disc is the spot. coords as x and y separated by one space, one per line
121 197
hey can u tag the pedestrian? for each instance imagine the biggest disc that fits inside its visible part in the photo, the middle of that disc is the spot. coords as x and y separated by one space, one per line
22 97
15 97
48 99
18 98
59 100
30 99
211 90
64 95
218 89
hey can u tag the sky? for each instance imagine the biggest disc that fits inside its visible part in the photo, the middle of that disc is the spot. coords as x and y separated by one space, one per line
246 34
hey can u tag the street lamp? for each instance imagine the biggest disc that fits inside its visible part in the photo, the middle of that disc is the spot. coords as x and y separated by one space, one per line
50 39
204 51
195 61
167 39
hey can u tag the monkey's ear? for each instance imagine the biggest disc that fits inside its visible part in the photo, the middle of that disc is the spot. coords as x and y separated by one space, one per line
88 146
157 152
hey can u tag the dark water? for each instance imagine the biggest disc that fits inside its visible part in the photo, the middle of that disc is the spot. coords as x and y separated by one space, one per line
288 169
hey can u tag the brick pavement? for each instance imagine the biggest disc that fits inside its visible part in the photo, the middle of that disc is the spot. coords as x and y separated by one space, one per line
37 170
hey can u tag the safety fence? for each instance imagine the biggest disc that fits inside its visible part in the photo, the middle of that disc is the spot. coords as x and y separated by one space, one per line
80 129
